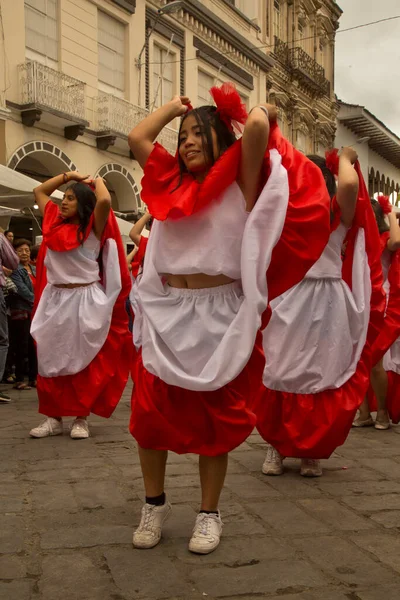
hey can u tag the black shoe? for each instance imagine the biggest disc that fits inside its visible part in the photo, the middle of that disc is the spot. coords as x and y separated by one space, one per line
4 397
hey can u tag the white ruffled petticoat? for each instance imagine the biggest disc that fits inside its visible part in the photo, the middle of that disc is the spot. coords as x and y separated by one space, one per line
318 328
71 325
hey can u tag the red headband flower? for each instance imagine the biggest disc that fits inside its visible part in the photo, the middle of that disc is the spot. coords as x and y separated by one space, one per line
229 104
332 161
385 204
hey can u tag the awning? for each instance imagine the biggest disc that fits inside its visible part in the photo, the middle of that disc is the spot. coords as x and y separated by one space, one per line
364 124
16 189
16 193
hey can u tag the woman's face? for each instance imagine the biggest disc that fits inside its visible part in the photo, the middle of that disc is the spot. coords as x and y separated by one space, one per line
191 147
69 205
10 237
24 254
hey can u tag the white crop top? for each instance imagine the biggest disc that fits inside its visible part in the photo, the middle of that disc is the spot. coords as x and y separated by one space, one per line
75 266
329 264
208 241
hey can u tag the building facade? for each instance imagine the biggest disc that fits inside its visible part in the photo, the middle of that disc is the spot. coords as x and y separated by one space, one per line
379 150
77 75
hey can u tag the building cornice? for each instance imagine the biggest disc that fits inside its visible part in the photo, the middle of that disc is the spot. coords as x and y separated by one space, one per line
200 19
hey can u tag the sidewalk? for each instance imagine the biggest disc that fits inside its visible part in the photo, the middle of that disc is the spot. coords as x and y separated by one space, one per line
67 510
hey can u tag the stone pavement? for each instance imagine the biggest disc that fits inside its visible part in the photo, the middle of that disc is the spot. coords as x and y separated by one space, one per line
67 509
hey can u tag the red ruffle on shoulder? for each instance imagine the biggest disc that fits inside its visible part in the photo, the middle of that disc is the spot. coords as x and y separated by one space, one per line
307 225
314 425
99 387
165 198
390 330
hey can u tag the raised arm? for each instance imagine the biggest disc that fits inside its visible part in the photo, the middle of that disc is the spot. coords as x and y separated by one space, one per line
347 190
43 191
142 137
136 232
131 256
254 144
394 240
102 208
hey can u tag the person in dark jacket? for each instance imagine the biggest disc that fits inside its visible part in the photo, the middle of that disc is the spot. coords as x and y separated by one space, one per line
21 309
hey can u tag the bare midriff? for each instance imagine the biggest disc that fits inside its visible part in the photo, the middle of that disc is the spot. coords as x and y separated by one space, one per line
70 286
197 281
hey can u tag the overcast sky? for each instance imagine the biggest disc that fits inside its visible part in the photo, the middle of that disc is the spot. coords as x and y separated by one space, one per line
368 59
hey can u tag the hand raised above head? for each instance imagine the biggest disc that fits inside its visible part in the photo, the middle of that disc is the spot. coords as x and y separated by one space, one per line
181 104
349 153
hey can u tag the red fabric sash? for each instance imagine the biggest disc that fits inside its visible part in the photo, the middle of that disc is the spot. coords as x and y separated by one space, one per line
60 236
365 218
391 327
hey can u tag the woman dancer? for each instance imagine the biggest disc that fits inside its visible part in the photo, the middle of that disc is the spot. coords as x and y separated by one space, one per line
80 324
314 379
204 289
389 231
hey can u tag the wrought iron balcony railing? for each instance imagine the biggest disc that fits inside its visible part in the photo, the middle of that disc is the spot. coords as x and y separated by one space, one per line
119 116
306 68
41 85
281 51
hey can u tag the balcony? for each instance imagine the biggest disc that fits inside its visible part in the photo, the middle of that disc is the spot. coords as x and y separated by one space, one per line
281 51
51 96
308 71
302 67
116 117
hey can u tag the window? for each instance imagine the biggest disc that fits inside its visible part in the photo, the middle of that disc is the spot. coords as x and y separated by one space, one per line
111 48
163 75
204 84
41 30
248 8
277 29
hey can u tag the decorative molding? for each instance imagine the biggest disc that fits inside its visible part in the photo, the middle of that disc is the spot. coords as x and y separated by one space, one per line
31 116
128 5
215 31
73 131
104 142
217 60
39 146
109 168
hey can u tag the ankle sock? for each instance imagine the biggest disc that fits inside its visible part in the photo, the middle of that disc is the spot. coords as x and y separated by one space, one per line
208 512
156 500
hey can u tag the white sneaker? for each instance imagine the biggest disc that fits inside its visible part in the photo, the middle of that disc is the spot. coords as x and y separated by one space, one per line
80 429
310 467
49 427
206 533
148 534
273 464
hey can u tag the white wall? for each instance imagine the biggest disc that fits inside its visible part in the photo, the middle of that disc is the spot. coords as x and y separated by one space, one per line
367 157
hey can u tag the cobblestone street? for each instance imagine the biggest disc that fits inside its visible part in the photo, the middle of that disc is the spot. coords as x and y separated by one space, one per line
68 509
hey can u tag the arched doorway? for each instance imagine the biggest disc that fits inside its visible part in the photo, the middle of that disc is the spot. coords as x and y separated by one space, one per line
40 161
122 186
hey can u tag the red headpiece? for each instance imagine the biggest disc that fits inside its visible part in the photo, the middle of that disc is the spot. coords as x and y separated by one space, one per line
332 161
385 204
229 104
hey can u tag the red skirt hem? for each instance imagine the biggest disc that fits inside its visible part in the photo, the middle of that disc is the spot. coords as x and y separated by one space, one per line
166 417
310 425
98 388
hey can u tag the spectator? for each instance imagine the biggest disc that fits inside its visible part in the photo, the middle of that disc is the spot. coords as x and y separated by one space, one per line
21 308
8 259
34 253
9 235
